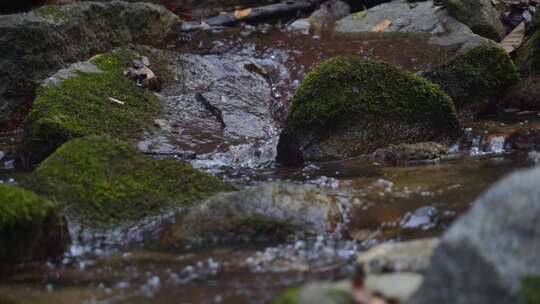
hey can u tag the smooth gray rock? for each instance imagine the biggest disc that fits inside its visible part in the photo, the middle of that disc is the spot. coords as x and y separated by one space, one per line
485 254
399 286
412 256
37 44
480 15
420 18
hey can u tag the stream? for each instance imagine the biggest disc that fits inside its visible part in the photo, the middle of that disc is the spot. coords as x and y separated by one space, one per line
386 203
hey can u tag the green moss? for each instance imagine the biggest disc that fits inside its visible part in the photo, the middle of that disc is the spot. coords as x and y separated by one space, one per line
18 205
103 181
471 79
530 289
348 106
349 88
52 12
30 227
529 56
80 106
289 296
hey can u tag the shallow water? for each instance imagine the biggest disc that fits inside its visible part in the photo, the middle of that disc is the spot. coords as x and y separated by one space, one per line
388 203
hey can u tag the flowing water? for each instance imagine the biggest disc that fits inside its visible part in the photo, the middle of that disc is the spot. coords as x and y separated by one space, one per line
388 203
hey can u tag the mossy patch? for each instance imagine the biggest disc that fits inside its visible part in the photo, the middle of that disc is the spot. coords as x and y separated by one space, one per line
53 13
27 224
103 181
80 106
289 296
345 88
526 93
376 102
530 289
471 79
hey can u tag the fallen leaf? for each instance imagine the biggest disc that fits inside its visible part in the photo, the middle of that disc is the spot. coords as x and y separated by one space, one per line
241 14
514 40
381 26
149 74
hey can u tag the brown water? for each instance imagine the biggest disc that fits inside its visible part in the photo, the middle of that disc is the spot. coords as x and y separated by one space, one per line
390 203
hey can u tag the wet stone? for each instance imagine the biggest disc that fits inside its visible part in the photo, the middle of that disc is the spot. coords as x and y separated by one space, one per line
217 102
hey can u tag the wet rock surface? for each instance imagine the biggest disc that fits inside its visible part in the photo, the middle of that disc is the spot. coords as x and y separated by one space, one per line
37 44
485 256
215 103
422 18
266 213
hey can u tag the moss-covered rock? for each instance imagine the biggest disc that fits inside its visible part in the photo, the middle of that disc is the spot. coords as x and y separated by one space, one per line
347 106
473 78
103 181
530 289
526 93
267 213
36 44
30 227
75 103
480 15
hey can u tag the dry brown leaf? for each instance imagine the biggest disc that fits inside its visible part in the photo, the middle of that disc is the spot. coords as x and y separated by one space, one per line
241 14
381 26
514 40
149 74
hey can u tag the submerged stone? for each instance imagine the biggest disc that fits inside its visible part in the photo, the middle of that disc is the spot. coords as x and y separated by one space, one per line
347 107
31 228
102 182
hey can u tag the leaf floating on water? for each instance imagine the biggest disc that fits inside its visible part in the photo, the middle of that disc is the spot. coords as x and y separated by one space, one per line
514 40
381 26
241 14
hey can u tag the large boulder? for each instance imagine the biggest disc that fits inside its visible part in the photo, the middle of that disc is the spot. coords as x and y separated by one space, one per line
347 107
37 44
419 18
475 78
266 213
31 228
76 102
480 15
490 255
102 181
